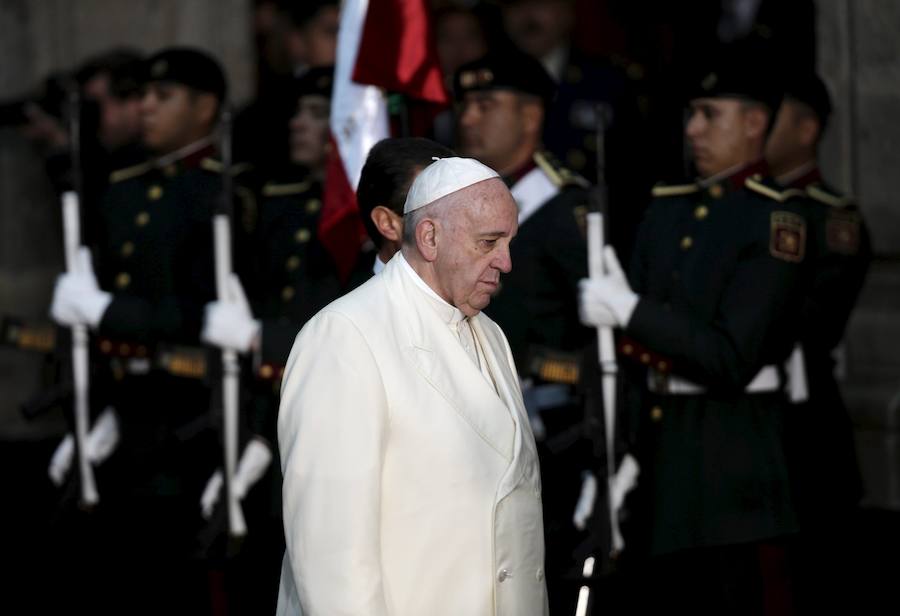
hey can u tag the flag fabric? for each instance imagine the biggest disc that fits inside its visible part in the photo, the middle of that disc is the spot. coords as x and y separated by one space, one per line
383 45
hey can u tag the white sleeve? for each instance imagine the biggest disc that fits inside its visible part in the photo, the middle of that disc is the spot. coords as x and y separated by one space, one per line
332 427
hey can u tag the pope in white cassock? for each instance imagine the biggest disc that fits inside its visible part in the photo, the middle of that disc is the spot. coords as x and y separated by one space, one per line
411 482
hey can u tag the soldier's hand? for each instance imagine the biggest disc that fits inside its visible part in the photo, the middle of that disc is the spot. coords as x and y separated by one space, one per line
229 323
585 505
61 460
254 461
607 300
101 441
77 298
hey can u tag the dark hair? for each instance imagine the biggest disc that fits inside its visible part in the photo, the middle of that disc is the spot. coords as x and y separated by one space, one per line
388 173
122 65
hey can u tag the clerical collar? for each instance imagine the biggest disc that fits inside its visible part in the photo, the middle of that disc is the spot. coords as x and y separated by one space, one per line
449 314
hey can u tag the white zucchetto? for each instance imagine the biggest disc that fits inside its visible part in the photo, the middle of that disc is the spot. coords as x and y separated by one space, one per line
445 176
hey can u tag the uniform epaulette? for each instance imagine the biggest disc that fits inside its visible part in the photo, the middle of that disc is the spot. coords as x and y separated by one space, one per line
773 193
129 172
559 175
818 193
280 190
216 166
674 191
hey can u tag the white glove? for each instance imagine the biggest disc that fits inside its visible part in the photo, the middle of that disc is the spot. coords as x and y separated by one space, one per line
253 464
585 505
77 298
229 324
101 441
607 300
103 438
61 460
623 481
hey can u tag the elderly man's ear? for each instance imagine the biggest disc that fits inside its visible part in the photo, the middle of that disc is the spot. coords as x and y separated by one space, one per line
389 224
426 239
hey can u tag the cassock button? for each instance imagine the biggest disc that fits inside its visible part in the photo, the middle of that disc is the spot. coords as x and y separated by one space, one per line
302 236
656 413
686 242
313 206
701 212
127 249
715 191
287 294
292 263
503 575
123 279
142 219
155 192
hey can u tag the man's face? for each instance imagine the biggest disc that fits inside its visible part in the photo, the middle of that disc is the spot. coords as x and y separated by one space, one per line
309 131
537 27
321 37
171 117
473 248
491 127
793 137
459 39
120 118
717 134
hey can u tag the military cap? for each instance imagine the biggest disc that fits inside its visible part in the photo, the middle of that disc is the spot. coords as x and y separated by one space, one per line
187 66
810 90
316 81
740 70
505 69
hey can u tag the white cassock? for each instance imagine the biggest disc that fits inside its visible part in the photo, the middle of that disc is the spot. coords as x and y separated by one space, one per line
411 480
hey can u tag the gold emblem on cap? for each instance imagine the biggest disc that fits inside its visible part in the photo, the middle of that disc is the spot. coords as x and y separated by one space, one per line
159 68
467 79
485 76
709 82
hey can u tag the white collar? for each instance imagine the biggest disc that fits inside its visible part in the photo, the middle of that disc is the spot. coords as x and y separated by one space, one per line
450 314
532 191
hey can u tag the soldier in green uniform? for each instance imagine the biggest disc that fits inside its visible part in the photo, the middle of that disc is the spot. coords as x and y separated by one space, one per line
820 447
292 277
155 274
710 309
504 97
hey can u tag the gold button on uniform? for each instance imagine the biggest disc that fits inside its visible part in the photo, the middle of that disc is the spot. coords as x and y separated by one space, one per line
628 349
686 242
293 263
266 371
106 346
123 279
127 249
170 170
142 219
313 206
715 191
656 413
645 358
287 293
701 212
154 192
302 236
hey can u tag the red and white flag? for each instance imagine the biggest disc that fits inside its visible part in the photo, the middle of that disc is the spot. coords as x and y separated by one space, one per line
382 45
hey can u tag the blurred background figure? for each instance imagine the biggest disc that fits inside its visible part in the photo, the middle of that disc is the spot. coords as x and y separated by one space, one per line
826 480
